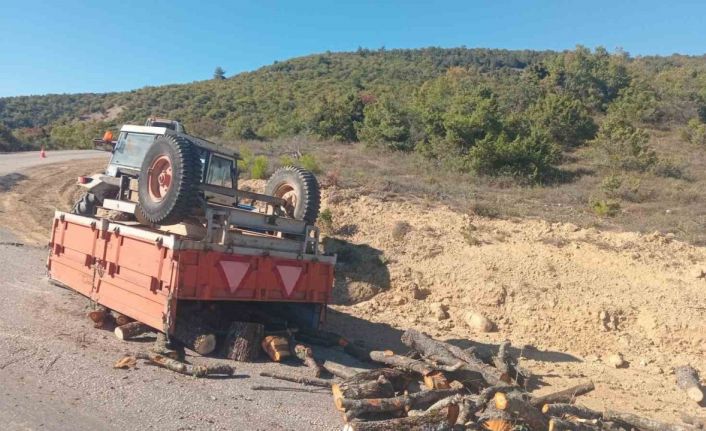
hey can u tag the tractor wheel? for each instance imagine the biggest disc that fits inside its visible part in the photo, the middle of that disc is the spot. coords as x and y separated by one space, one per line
300 189
168 183
86 205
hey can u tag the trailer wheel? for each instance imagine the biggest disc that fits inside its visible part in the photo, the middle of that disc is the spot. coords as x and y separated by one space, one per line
169 179
86 205
300 189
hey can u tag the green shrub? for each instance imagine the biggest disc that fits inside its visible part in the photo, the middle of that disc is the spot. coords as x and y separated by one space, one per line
326 219
532 156
565 119
309 162
605 207
246 158
385 124
285 160
611 184
258 170
624 146
694 132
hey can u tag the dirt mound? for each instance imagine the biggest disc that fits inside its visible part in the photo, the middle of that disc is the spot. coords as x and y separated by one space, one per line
555 287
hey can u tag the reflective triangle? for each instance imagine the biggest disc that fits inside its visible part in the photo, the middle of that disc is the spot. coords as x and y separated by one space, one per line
290 276
235 272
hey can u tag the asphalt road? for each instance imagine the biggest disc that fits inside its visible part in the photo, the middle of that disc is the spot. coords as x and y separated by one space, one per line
56 370
16 162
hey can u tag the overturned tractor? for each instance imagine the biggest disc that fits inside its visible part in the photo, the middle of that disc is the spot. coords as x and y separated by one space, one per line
166 237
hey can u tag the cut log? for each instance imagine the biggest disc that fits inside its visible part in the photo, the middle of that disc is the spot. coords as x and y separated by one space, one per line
276 347
514 404
556 424
326 338
340 370
496 420
100 316
121 319
467 409
688 381
564 396
452 405
131 330
642 423
446 354
195 336
388 357
508 365
311 381
317 390
378 388
242 342
502 359
436 380
560 410
698 422
355 408
306 355
182 368
400 380
436 420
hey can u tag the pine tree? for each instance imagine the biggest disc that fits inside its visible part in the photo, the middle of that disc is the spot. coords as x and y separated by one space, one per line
219 73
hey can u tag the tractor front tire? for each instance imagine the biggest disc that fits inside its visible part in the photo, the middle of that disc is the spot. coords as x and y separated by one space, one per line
300 189
169 178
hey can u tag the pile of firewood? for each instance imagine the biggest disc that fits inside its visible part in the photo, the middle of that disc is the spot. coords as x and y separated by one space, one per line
434 386
439 386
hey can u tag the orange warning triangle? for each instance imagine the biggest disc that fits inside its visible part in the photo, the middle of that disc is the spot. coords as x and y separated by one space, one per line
290 276
235 272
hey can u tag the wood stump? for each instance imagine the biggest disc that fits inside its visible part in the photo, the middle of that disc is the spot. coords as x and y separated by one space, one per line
243 341
276 347
131 330
195 335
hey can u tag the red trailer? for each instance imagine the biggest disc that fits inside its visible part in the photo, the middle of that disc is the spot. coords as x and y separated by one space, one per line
149 274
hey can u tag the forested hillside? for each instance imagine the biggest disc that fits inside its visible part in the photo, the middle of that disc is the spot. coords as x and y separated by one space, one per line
482 111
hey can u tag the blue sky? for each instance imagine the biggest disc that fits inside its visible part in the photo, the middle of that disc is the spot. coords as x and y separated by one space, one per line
95 46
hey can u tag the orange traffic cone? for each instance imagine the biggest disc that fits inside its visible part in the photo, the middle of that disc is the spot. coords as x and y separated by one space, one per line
42 153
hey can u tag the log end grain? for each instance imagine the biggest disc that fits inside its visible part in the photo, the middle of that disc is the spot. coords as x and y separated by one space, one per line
498 425
205 344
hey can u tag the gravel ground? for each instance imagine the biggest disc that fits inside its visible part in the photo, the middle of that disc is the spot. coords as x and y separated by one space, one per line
56 371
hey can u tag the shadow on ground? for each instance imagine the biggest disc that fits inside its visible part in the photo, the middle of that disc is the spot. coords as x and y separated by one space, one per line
361 272
9 181
381 336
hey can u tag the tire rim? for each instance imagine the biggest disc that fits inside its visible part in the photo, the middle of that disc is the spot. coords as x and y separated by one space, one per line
287 192
159 178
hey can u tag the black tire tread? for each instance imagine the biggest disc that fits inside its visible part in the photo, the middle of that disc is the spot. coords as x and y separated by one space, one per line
187 187
310 187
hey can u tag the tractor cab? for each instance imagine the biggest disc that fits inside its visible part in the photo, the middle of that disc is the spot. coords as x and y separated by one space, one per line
159 175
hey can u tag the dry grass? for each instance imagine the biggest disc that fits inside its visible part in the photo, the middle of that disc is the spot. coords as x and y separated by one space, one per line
647 201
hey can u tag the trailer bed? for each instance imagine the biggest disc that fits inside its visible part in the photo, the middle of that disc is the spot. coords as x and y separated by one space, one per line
144 274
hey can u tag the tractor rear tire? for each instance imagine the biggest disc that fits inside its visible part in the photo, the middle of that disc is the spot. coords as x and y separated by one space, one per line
300 188
169 178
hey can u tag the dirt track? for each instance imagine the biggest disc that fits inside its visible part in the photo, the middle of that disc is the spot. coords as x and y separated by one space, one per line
575 295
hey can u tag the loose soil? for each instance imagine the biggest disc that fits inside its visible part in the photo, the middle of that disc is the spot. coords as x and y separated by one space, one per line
566 297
